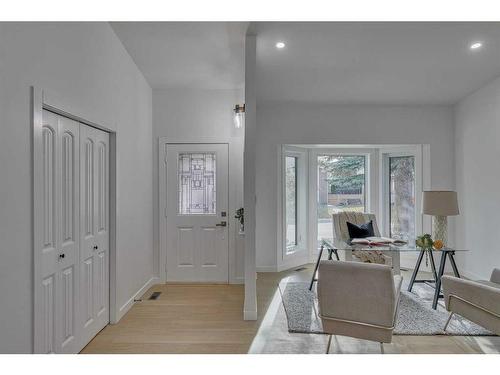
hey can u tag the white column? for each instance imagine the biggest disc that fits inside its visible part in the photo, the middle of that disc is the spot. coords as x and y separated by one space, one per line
250 307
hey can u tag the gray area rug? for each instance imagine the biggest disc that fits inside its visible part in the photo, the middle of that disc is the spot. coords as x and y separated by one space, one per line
415 314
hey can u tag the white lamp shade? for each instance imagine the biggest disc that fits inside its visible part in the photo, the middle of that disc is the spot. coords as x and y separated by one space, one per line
440 203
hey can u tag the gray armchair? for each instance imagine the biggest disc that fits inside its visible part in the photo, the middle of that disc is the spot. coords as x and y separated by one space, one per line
478 301
358 300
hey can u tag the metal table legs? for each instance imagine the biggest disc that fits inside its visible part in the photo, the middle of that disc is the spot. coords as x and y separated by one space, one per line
417 268
442 264
446 253
330 253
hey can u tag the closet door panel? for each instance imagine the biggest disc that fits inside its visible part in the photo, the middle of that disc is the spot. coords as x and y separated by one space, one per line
68 235
94 224
56 289
101 274
45 285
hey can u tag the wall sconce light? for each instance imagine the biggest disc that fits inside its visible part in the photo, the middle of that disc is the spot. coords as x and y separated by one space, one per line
239 116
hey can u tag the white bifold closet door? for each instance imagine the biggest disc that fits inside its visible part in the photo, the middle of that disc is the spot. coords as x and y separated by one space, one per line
71 271
94 231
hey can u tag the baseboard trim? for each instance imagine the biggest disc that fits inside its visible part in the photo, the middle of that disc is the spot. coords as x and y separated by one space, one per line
249 314
470 275
237 280
126 307
290 265
266 269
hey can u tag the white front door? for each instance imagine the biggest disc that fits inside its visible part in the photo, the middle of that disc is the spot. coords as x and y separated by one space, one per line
197 212
94 231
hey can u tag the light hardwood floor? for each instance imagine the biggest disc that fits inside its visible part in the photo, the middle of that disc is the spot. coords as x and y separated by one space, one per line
208 319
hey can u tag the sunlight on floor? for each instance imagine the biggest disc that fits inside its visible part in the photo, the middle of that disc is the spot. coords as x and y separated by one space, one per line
259 341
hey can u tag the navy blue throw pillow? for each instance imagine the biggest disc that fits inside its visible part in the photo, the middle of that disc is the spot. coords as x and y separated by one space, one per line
360 231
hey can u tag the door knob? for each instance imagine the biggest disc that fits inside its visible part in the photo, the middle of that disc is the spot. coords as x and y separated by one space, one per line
96 247
61 256
221 224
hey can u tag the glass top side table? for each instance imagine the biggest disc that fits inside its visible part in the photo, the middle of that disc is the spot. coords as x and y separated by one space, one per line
333 246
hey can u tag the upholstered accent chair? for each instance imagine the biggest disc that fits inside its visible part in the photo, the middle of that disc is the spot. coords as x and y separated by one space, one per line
341 232
358 300
478 301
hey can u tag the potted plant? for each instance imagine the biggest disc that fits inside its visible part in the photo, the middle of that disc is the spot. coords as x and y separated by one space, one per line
425 242
240 215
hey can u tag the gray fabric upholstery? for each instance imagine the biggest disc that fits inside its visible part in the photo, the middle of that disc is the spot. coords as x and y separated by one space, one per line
340 231
478 301
495 276
358 299
489 283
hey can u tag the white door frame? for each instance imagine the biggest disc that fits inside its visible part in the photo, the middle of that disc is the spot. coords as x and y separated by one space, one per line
43 99
162 204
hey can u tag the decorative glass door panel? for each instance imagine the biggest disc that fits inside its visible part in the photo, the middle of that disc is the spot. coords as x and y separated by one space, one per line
197 183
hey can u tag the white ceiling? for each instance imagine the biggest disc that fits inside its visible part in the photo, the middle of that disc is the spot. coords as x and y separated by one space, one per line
396 63
348 63
207 55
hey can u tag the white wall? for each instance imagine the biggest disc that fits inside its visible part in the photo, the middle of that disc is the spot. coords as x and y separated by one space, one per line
86 67
302 123
477 150
191 115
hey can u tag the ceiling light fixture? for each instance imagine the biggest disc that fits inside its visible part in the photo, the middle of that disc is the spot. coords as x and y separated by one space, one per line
280 45
476 45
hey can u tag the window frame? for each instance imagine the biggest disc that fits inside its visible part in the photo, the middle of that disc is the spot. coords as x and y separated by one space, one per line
384 201
371 185
388 192
296 202
296 255
366 184
421 153
374 190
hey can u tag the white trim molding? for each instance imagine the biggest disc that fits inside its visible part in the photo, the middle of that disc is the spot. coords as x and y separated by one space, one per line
371 185
137 295
250 314
289 259
235 240
267 269
374 183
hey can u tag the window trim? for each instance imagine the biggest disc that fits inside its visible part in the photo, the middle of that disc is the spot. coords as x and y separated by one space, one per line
374 187
384 201
371 185
289 257
387 193
296 198
421 152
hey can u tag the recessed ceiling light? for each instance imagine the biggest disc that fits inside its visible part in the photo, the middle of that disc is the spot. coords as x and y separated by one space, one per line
476 45
280 45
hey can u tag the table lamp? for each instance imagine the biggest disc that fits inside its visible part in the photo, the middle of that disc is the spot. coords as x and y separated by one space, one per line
440 204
